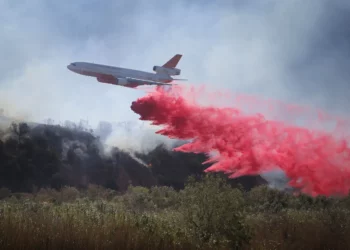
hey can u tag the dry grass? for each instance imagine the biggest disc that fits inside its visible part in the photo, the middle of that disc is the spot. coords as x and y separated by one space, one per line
301 230
205 215
85 225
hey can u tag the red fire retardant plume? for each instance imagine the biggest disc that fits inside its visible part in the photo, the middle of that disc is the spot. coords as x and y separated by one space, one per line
316 162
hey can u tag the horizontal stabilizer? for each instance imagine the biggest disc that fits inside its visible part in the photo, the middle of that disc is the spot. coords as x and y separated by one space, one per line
179 79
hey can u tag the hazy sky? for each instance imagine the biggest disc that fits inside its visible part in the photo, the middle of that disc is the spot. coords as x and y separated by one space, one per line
286 49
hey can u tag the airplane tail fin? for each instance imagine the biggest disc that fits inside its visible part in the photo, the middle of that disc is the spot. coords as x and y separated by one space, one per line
173 61
169 69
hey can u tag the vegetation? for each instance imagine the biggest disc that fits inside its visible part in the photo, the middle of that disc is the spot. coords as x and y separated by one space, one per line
206 214
53 156
58 191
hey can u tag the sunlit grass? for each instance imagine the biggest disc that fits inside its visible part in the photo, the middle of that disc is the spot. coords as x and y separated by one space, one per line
205 215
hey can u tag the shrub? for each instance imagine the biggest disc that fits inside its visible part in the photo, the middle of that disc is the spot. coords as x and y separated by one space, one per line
265 199
95 192
164 198
137 199
212 212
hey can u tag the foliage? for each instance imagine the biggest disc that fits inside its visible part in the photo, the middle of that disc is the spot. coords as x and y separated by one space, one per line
141 199
207 214
212 211
53 156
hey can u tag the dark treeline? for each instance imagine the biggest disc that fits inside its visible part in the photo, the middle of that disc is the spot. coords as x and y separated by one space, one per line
53 156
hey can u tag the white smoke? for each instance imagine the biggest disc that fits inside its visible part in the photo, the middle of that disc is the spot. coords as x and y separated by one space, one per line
135 137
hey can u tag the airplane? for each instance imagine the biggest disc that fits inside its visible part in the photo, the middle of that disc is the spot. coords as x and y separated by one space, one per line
129 77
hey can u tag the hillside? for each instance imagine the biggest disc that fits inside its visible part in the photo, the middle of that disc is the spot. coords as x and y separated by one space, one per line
203 212
38 156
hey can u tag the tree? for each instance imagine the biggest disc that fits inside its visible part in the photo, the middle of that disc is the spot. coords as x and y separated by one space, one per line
211 209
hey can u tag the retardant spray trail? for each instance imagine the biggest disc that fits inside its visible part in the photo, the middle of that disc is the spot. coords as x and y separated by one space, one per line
316 162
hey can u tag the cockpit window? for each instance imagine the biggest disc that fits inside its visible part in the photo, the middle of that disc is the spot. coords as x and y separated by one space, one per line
74 64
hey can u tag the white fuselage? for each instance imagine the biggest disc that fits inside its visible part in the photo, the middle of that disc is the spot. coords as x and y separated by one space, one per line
106 72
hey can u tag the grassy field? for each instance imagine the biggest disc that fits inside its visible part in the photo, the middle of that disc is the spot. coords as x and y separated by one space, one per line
207 214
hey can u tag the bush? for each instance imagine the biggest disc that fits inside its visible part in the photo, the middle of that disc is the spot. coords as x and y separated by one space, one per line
137 199
164 198
95 192
212 212
265 199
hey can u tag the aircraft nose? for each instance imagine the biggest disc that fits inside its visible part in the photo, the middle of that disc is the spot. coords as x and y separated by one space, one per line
69 67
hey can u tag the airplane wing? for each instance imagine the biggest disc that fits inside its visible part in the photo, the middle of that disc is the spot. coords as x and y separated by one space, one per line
145 82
